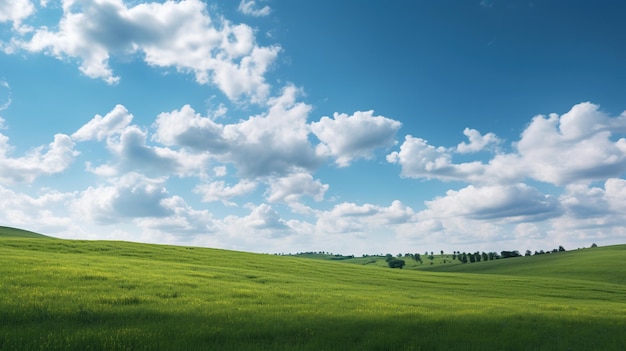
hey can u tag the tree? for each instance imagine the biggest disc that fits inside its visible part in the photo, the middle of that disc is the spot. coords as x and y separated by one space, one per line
396 263
561 249
417 258
388 257
485 256
528 253
463 257
594 245
507 254
472 258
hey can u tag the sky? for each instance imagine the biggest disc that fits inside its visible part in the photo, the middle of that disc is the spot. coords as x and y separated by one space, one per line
352 127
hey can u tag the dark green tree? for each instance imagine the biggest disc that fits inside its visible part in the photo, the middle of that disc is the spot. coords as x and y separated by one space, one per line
396 263
417 258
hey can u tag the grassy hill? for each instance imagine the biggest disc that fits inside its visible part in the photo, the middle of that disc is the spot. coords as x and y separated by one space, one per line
101 295
593 264
18 233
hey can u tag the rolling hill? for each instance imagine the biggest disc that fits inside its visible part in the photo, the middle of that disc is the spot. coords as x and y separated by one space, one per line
104 295
602 264
19 233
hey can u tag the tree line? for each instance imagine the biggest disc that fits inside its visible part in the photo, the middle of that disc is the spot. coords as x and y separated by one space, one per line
463 257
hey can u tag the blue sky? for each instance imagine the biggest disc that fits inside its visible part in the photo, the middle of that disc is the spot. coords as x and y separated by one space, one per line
345 126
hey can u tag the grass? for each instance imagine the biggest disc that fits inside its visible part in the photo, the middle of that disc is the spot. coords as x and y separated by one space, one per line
19 233
98 295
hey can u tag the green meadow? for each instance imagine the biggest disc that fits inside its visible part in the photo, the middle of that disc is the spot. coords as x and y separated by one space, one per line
103 295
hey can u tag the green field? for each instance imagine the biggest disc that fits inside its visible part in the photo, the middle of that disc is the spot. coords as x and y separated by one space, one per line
101 295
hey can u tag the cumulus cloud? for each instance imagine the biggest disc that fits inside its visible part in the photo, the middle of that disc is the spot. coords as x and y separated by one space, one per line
421 160
219 191
189 129
273 143
263 221
577 146
352 137
291 188
519 202
249 7
181 219
584 202
350 217
173 34
15 11
54 158
45 211
130 196
133 154
100 127
477 142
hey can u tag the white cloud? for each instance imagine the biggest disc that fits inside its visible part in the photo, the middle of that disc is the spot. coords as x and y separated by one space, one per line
15 11
188 129
134 155
263 221
128 197
352 137
518 202
54 158
477 142
421 160
273 143
218 191
291 188
45 212
249 7
182 220
173 34
5 97
578 146
367 218
100 127
585 202
220 171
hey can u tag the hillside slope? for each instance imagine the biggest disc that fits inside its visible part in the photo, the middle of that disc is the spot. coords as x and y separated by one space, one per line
603 264
103 295
19 233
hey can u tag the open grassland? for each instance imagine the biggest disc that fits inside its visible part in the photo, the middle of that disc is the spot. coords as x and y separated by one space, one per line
82 295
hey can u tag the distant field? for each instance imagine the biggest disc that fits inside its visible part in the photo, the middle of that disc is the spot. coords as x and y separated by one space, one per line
99 295
595 264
